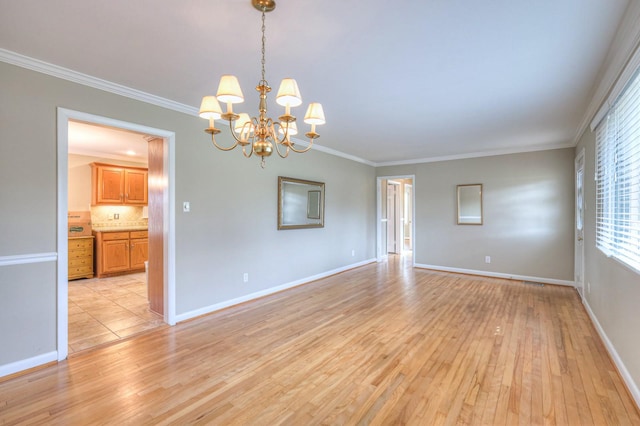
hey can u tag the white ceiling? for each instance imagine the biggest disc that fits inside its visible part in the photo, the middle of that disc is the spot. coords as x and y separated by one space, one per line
107 142
401 80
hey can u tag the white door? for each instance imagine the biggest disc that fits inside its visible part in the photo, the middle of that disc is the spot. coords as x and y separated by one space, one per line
579 231
392 228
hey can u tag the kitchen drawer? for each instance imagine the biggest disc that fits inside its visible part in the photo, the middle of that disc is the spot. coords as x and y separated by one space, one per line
79 271
83 252
86 261
80 243
139 234
109 236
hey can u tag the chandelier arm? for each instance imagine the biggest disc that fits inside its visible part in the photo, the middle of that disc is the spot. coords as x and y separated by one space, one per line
244 148
301 151
286 153
222 148
233 133
285 133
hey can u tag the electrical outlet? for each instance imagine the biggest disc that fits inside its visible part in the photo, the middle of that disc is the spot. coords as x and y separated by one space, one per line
116 216
186 207
353 253
245 277
487 259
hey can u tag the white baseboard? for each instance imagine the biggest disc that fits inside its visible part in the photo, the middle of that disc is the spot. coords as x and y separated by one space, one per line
25 364
218 306
622 369
497 275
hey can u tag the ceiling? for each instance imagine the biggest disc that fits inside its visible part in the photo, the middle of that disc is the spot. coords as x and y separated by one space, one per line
399 81
107 142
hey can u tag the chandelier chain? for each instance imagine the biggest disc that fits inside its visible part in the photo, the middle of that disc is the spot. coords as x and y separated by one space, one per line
264 39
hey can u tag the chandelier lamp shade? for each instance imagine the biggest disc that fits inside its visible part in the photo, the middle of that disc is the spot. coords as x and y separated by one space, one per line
259 135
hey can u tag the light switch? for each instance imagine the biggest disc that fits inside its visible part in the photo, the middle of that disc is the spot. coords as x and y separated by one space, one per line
186 207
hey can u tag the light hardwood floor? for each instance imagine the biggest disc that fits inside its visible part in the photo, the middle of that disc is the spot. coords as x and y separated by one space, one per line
381 344
103 310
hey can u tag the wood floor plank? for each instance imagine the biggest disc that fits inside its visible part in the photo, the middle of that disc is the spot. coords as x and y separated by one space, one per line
381 344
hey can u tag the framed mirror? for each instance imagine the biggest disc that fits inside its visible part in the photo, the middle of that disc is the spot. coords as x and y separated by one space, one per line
300 203
469 210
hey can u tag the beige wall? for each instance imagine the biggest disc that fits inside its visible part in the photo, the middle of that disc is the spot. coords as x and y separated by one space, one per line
231 228
528 214
614 297
27 311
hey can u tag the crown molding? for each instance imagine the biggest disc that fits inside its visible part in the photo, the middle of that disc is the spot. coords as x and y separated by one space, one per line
476 155
343 155
87 80
615 69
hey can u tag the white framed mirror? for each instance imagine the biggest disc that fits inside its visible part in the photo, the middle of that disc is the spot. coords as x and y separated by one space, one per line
300 203
469 211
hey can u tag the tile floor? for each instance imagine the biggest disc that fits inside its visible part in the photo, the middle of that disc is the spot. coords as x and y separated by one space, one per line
103 310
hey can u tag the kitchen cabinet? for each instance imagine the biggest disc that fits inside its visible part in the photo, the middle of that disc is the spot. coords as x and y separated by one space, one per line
139 244
80 260
120 252
118 185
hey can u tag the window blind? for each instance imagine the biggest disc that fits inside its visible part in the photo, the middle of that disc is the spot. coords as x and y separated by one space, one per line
618 178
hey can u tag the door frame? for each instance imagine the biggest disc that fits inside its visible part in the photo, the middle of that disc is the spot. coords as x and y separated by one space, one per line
404 235
63 117
578 262
398 231
380 251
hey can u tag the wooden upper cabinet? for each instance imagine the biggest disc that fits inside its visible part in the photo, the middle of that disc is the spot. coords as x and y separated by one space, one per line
135 186
118 185
108 185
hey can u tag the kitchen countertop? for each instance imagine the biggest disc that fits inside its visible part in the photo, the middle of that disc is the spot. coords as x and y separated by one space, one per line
120 228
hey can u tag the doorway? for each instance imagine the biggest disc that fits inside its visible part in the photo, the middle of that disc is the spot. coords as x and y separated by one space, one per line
395 217
165 179
394 227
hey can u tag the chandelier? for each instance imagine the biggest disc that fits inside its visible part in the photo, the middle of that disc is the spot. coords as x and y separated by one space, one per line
258 135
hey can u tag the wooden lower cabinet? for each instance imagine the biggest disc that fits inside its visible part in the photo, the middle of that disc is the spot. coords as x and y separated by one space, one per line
80 261
120 252
139 246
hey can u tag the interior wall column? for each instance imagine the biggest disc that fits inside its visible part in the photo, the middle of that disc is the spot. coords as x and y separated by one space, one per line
155 285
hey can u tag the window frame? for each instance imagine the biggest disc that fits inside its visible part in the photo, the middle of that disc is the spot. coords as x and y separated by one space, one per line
618 178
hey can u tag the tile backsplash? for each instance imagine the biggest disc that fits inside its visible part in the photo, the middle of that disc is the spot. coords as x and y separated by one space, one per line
127 216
